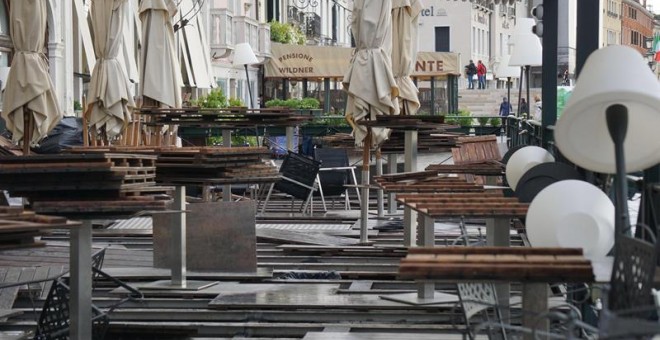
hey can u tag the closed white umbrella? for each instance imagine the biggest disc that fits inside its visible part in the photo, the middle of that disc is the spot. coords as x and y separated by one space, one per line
30 107
160 72
369 81
405 23
110 101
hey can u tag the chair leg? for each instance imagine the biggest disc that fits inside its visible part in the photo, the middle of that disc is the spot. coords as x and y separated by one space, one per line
357 189
318 180
270 191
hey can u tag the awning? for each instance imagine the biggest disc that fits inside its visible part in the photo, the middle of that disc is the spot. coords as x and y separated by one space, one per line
195 48
299 62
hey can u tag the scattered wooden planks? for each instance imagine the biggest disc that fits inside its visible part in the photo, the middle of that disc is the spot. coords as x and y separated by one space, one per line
75 176
204 165
19 227
497 264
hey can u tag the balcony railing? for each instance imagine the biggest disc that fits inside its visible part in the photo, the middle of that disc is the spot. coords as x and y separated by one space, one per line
222 28
264 40
246 30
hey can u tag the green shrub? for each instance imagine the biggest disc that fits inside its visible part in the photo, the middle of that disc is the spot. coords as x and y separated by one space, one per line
465 118
309 103
286 33
483 121
294 103
275 103
77 106
236 102
495 121
216 99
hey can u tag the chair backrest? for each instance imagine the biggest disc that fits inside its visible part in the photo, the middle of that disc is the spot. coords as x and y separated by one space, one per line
632 274
54 321
480 299
301 169
333 182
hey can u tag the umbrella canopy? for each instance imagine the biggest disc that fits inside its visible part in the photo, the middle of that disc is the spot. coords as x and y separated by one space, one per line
160 72
369 80
110 100
405 23
29 89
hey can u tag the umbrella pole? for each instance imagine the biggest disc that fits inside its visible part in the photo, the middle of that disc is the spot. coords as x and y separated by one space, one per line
364 205
27 131
379 192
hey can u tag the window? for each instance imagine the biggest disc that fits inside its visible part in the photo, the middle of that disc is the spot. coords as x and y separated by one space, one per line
611 37
442 39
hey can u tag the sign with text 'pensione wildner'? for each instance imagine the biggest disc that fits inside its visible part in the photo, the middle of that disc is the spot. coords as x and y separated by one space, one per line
300 61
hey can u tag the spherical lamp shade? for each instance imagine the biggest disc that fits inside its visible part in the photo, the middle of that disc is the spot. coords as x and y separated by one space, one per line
243 55
504 70
572 214
582 134
523 160
527 50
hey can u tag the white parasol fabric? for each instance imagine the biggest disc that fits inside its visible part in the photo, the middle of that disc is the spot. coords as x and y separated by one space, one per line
110 99
405 23
160 72
29 89
369 81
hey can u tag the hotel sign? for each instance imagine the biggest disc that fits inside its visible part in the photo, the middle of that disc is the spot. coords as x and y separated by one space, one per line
301 61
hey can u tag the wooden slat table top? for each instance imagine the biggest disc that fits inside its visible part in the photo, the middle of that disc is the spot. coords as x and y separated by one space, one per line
469 206
487 168
498 264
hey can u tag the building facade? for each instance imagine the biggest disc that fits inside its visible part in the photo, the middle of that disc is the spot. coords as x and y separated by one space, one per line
476 31
611 19
636 24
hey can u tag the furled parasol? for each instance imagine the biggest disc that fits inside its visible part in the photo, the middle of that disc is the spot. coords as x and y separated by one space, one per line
110 101
30 107
370 83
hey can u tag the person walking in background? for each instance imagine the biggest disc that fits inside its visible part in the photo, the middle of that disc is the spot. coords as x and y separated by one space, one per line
505 108
538 108
524 109
470 71
481 74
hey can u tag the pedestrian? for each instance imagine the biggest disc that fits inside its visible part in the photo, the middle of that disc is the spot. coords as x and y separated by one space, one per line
538 108
524 109
505 107
566 80
470 71
481 74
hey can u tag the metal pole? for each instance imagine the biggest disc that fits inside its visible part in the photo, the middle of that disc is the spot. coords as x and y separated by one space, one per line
549 76
80 253
178 239
247 76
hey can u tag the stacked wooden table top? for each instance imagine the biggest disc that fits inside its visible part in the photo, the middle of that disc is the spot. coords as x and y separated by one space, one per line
497 264
18 227
85 183
229 118
486 204
428 141
204 165
425 182
485 168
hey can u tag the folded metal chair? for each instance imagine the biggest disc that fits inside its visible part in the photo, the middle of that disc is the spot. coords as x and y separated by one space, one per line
334 175
297 179
54 321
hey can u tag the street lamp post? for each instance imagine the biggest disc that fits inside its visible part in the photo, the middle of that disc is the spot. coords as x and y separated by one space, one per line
243 55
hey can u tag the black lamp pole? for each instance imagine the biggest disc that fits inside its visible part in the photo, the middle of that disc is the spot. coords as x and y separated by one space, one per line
247 76
617 124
